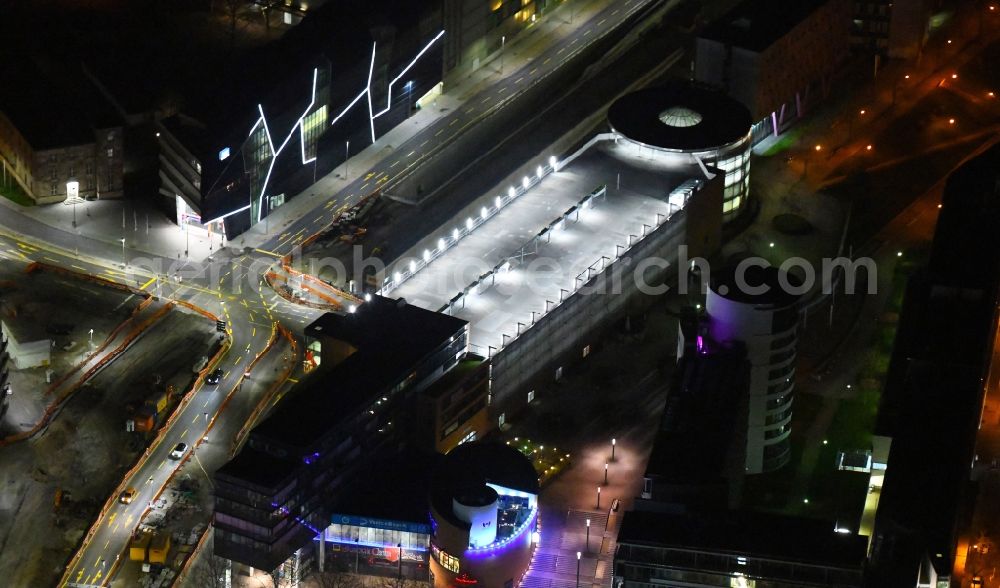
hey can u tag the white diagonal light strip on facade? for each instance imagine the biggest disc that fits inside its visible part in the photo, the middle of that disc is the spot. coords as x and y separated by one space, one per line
371 70
276 152
406 69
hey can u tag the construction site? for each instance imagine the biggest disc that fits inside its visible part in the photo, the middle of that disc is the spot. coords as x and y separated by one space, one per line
95 368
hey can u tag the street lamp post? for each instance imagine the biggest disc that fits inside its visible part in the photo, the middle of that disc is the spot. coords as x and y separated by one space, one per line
605 473
124 262
598 498
347 155
73 194
578 556
613 443
588 535
503 43
409 96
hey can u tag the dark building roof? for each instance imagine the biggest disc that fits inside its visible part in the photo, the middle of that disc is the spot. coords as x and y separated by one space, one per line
933 395
259 467
703 420
748 534
756 24
391 338
774 293
52 104
714 119
396 488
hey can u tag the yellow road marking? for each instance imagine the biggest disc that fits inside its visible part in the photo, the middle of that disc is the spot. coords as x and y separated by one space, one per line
547 59
518 80
238 360
269 252
146 285
485 100
439 132
532 72
602 21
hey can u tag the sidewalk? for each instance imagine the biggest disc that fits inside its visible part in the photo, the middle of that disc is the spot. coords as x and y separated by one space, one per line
519 52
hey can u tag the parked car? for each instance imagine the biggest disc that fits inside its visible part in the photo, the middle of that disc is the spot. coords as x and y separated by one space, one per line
178 451
214 377
127 495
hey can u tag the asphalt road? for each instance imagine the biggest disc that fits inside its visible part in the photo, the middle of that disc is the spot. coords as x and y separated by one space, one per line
429 140
231 288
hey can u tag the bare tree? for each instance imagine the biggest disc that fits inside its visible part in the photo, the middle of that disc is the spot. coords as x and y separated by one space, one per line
401 583
209 572
334 579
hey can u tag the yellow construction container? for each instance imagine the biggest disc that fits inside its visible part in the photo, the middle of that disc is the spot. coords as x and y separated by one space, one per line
158 549
137 548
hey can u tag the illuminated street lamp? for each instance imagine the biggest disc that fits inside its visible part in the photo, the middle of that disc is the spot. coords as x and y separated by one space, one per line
124 263
588 535
605 473
73 194
613 443
598 498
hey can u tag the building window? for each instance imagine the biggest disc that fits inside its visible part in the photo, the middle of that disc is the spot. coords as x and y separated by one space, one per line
531 396
54 188
312 127
502 419
586 351
111 152
558 373
469 438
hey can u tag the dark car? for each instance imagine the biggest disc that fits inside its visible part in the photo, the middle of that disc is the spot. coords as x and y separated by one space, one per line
214 377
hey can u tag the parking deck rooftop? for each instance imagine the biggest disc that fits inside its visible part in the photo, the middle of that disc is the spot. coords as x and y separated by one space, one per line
546 268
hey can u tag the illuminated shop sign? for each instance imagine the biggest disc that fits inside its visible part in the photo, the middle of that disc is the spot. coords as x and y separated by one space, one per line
381 523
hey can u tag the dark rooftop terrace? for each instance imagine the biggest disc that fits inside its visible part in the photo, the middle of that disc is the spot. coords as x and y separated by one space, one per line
391 338
756 24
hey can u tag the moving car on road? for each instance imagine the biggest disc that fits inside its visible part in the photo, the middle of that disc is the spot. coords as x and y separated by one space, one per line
214 377
127 495
178 451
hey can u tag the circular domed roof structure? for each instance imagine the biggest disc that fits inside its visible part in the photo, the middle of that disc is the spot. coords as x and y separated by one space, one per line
680 117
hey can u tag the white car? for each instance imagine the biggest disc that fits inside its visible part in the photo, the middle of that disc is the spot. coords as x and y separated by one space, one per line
178 451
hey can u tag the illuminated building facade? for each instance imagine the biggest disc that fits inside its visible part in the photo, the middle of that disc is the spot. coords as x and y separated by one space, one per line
685 125
766 323
292 112
277 494
891 28
775 57
59 137
479 28
484 516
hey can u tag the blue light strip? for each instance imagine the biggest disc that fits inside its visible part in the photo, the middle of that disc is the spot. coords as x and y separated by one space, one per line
502 545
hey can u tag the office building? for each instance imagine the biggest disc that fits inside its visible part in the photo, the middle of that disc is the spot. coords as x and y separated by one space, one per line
699 452
932 406
764 317
59 137
683 125
479 29
735 549
277 494
775 56
484 514
891 28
